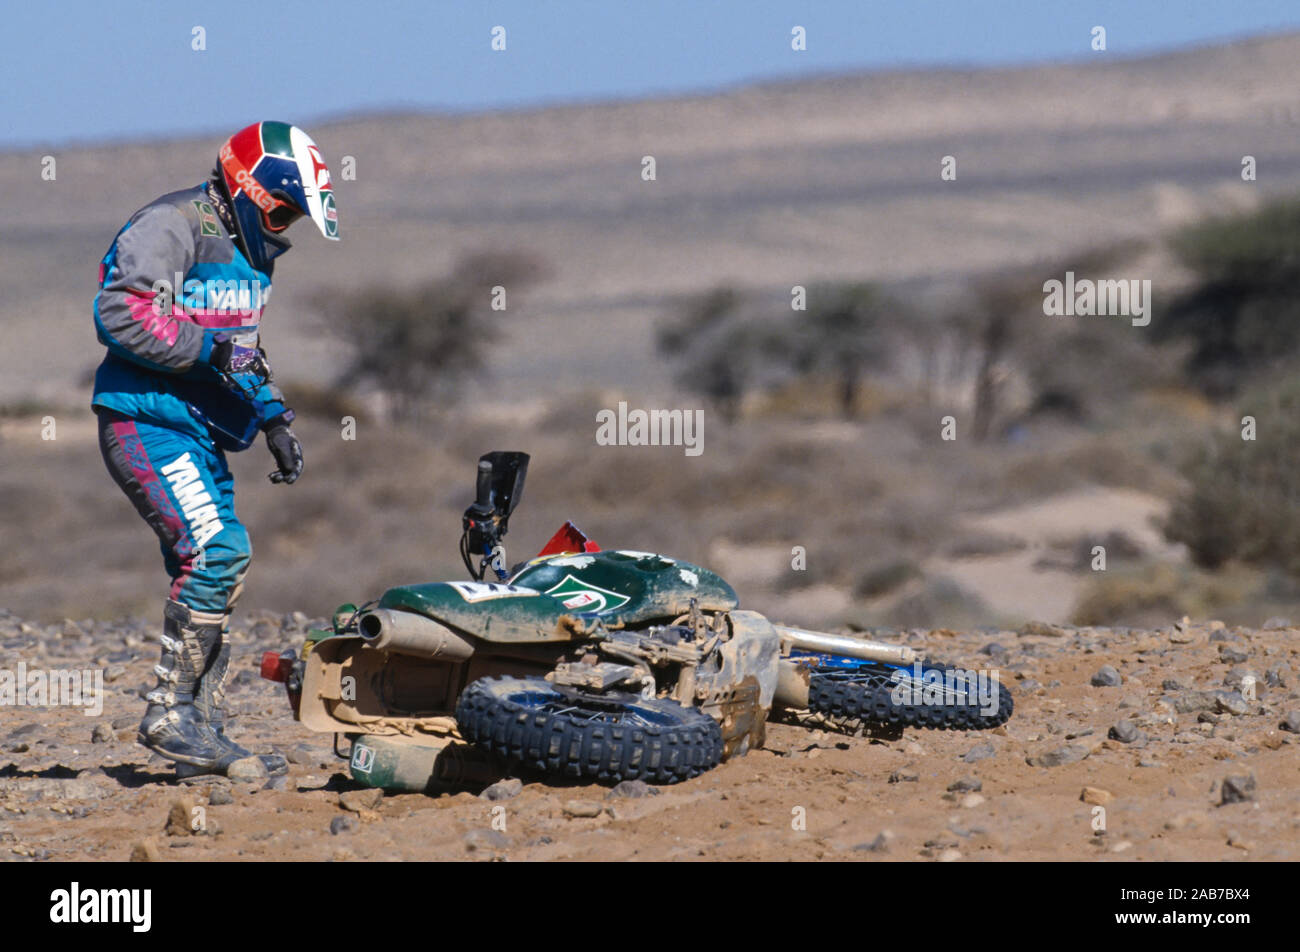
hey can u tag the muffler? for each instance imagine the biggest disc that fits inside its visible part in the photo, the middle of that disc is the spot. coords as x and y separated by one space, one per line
412 634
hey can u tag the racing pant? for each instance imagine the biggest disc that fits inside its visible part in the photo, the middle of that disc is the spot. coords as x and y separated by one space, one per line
183 488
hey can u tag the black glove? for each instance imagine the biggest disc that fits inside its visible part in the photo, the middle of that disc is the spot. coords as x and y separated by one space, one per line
286 449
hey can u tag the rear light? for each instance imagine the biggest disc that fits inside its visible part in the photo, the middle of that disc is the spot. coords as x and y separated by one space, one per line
287 669
277 667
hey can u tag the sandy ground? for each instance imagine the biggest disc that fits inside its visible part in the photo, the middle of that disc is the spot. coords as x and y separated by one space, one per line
811 794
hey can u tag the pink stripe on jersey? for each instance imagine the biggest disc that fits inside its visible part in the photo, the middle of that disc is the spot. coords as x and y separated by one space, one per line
212 318
141 306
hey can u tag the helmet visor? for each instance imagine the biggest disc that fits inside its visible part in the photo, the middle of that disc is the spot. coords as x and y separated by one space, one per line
283 214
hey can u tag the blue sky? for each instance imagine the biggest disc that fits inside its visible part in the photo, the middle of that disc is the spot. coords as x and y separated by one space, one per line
90 70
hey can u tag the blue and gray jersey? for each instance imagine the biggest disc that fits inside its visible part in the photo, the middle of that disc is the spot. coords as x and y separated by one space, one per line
172 280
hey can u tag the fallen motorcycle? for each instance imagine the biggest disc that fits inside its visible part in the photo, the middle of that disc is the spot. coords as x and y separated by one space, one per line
589 665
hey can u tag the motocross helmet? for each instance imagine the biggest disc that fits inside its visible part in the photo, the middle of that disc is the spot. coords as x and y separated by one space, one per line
273 174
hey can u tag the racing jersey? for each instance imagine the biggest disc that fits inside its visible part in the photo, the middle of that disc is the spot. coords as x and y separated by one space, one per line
173 278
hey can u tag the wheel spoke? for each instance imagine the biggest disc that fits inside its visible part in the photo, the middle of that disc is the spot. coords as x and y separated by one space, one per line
592 714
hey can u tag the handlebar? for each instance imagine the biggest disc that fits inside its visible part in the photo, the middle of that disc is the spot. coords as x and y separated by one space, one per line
498 484
483 494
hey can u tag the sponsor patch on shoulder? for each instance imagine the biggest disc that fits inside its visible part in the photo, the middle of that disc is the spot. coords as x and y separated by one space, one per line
207 219
482 591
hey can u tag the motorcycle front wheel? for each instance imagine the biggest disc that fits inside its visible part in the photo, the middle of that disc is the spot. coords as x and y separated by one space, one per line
923 695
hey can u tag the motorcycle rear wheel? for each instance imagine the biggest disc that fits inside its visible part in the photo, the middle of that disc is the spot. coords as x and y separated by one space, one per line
559 733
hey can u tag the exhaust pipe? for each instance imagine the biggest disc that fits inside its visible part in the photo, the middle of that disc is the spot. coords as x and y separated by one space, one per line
843 645
412 634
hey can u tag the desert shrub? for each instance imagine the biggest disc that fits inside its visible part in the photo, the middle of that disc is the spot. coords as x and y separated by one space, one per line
941 602
1076 555
978 544
982 346
840 337
725 346
713 353
1116 597
1098 461
417 345
1242 314
991 350
1244 496
1156 594
883 578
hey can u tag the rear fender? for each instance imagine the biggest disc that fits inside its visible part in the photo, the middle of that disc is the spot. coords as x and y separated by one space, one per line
350 688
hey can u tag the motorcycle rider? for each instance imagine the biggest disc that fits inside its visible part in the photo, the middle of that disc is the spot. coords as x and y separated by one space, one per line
181 293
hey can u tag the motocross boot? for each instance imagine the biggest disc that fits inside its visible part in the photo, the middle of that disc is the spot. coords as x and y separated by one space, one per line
172 726
209 699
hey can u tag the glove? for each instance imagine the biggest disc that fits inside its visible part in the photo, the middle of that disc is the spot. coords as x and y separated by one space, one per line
229 357
286 449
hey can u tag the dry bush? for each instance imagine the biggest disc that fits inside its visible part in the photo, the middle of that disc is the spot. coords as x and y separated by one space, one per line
1100 461
727 346
417 345
1242 315
885 577
941 603
1160 593
1244 500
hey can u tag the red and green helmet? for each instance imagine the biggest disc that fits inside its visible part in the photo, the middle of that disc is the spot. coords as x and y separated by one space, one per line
274 174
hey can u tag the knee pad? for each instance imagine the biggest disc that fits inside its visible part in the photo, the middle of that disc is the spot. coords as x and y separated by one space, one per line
221 569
